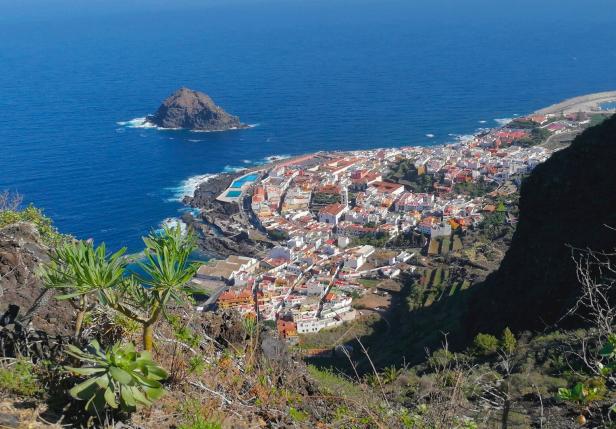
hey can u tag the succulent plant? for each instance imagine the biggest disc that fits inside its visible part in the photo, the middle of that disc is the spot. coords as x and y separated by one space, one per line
117 377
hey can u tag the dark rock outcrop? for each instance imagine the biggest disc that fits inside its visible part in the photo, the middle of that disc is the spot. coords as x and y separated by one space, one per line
568 201
193 110
22 295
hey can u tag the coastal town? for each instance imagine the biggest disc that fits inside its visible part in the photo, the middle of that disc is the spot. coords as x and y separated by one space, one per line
330 219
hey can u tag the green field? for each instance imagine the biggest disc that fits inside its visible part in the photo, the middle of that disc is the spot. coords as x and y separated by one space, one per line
435 284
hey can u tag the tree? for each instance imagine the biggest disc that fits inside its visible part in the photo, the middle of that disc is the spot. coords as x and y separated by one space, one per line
166 271
485 344
508 341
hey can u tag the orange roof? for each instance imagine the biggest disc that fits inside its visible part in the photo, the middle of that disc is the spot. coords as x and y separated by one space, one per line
333 209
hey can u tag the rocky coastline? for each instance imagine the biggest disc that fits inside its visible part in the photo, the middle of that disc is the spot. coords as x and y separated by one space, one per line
216 239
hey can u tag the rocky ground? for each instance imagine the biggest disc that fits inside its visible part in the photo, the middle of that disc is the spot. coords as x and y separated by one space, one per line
22 295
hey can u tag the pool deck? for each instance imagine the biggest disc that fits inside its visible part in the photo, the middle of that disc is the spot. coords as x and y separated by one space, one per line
237 191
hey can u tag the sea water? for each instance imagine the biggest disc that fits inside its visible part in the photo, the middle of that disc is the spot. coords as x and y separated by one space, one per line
313 74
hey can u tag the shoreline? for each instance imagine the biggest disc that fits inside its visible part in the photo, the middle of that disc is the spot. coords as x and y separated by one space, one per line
581 103
226 229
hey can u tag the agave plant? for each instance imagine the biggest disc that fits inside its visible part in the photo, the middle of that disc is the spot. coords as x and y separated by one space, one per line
118 377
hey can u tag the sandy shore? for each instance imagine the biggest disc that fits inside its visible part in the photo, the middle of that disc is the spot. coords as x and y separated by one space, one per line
584 103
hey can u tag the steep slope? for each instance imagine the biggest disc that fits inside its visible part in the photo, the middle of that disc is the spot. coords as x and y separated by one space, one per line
567 201
22 294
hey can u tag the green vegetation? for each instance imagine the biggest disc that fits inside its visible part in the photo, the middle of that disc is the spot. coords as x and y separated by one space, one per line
475 189
406 173
200 422
49 234
19 377
537 136
81 271
323 199
597 119
485 344
369 283
378 239
117 377
277 235
84 271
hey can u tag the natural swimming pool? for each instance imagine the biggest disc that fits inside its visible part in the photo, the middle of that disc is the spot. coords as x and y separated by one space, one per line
238 183
234 194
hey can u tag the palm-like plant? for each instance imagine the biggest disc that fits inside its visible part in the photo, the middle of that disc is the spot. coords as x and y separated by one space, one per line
118 377
166 271
80 270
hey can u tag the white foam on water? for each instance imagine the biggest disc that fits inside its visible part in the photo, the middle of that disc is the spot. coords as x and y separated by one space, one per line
233 169
137 123
222 131
246 161
194 140
464 137
503 121
173 222
482 121
144 123
273 158
188 187
430 136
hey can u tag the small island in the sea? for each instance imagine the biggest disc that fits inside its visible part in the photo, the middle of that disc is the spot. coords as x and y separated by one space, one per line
193 110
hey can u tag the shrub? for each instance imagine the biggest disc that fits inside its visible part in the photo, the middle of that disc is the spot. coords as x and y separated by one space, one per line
198 422
297 415
118 377
485 344
19 377
49 234
508 341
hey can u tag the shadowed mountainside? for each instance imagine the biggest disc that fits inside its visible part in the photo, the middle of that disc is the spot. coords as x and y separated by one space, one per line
568 201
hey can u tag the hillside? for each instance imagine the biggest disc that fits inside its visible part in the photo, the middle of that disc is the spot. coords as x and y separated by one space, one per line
568 201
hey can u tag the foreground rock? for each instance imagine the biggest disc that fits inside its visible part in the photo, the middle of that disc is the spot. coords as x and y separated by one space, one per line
22 294
193 110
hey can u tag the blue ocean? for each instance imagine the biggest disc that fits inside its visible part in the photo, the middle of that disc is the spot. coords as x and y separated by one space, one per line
309 74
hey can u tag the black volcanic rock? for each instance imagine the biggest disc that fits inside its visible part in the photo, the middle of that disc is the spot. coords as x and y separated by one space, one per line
193 110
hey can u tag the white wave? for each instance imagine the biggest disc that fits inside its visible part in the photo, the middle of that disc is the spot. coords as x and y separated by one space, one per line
464 137
194 140
137 123
273 158
482 121
173 222
246 161
144 123
430 136
194 211
222 131
232 169
188 187
503 121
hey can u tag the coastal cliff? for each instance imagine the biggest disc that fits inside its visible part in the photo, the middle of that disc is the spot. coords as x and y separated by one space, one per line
566 202
193 110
